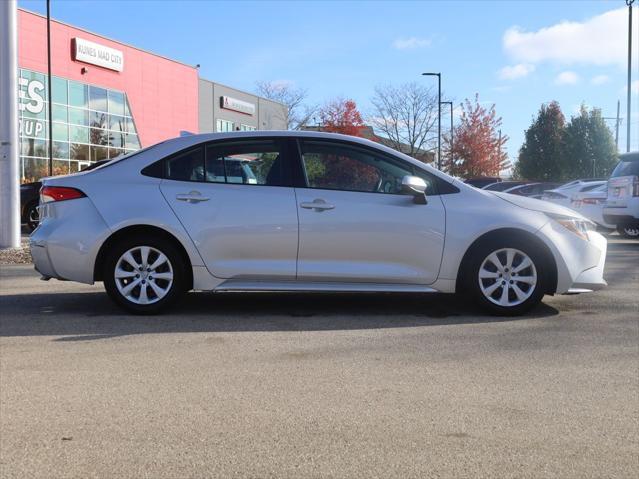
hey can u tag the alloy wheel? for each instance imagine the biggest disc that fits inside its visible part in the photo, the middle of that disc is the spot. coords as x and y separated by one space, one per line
507 277
631 232
143 275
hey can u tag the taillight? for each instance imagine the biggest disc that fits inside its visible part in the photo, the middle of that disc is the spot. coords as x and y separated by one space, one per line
635 186
591 201
59 193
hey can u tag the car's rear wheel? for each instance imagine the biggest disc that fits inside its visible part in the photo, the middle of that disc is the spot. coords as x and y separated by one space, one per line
628 231
144 275
32 217
506 277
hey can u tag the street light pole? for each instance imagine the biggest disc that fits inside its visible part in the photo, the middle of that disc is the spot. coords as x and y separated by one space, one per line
452 131
629 3
50 104
439 117
9 165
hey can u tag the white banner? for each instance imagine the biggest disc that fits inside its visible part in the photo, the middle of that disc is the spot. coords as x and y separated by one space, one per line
95 54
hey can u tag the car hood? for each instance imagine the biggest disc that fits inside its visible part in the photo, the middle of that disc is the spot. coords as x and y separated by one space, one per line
537 205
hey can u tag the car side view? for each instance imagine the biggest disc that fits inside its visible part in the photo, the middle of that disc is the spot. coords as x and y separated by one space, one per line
304 211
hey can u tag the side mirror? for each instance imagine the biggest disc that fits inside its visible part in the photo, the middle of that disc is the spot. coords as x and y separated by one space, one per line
416 187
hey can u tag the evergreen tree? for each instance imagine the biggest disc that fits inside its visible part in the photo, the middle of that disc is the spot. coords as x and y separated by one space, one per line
540 157
589 147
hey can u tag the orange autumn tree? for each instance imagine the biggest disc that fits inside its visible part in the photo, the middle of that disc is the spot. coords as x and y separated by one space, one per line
341 116
477 148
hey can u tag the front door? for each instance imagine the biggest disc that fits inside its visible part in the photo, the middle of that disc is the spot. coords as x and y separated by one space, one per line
235 200
355 223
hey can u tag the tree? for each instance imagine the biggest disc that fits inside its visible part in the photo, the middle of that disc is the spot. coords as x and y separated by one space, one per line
541 155
297 114
588 146
406 115
478 149
341 116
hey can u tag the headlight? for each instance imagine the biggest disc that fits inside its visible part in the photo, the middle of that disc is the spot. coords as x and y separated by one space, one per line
579 226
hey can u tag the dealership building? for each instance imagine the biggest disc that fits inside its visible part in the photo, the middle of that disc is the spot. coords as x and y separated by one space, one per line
109 98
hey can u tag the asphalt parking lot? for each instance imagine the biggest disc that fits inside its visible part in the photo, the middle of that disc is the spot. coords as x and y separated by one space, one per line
294 386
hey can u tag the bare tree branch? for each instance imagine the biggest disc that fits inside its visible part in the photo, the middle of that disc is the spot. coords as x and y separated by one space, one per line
297 113
406 115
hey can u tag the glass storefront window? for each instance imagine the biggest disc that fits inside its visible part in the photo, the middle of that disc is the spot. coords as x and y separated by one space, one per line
59 90
116 103
117 123
78 94
97 98
99 153
89 124
59 113
79 134
78 117
60 149
79 152
60 131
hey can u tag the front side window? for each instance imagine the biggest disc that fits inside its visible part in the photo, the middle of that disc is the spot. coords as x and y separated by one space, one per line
336 166
255 162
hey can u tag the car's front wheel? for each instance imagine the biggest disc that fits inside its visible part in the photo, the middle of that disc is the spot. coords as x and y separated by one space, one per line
506 277
144 275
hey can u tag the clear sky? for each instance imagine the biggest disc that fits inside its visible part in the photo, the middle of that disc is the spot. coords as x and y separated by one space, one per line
516 54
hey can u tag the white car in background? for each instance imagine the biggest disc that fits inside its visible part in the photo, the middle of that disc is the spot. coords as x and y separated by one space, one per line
318 212
563 195
622 204
591 204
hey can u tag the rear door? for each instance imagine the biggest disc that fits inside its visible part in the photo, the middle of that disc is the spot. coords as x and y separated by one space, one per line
236 202
356 226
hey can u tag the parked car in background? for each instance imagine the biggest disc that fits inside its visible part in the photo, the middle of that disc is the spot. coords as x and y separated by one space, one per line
30 197
326 212
622 203
531 190
591 204
503 185
563 195
482 181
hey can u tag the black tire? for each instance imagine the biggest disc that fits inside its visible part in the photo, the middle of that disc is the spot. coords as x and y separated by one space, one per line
471 282
176 263
628 231
32 217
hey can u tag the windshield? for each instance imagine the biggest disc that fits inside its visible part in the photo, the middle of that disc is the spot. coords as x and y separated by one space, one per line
626 168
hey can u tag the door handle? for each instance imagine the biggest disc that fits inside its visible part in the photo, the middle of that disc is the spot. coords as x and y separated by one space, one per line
191 197
317 205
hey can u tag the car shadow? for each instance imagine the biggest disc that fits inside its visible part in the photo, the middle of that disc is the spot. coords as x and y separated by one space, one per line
91 315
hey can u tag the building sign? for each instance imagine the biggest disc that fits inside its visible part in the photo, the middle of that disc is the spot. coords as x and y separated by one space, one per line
95 54
31 100
234 104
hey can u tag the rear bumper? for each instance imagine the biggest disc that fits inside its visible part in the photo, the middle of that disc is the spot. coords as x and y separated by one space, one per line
65 243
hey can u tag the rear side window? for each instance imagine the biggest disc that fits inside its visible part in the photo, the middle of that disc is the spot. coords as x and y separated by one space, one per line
626 168
258 162
248 162
186 166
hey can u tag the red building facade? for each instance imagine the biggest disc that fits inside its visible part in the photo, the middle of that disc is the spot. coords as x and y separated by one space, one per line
108 98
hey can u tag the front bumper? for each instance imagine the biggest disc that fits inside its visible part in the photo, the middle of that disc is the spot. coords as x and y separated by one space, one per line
580 263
